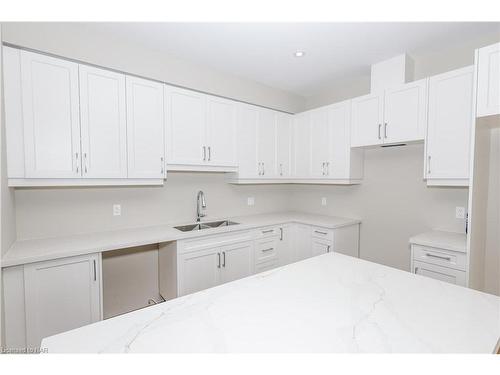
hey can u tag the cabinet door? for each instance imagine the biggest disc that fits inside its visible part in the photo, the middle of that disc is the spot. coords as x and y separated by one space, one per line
319 247
266 143
338 163
303 241
186 120
104 128
449 126
61 295
283 144
302 146
247 118
198 270
367 118
237 261
320 141
286 245
439 273
145 128
405 110
221 132
51 116
488 81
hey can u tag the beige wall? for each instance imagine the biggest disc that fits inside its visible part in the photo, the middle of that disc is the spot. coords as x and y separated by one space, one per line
74 40
393 203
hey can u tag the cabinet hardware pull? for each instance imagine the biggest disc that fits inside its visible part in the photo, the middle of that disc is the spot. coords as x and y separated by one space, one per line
385 130
317 231
224 261
77 167
95 272
379 127
416 270
281 234
263 169
85 161
327 168
323 168
438 257
209 153
429 164
162 166
204 153
266 250
328 249
218 263
281 169
260 173
268 231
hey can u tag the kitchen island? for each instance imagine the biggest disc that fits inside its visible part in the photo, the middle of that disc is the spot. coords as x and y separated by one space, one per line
329 303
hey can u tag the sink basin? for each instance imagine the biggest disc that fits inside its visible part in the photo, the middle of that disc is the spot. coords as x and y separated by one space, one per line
200 226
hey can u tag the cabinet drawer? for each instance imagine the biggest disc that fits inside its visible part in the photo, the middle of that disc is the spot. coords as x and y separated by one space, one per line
266 266
433 271
439 257
266 250
268 232
318 232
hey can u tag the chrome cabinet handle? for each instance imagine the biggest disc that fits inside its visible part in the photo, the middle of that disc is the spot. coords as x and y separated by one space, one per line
209 153
263 169
317 231
224 261
76 160
385 130
281 169
379 127
438 257
204 153
328 249
266 250
260 169
323 168
162 165
416 270
218 263
429 164
327 168
95 272
281 234
268 231
85 161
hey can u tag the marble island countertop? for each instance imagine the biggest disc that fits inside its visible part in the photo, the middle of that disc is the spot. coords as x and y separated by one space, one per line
35 250
329 303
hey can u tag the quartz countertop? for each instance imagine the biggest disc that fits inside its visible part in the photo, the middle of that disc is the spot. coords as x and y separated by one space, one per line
442 240
328 303
35 250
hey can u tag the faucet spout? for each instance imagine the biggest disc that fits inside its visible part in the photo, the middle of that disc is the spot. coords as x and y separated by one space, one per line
200 205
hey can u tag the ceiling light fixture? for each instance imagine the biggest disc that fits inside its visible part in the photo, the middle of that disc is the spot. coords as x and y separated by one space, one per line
299 54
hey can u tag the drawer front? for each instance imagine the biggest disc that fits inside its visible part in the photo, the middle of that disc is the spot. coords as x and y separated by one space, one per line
266 250
439 257
448 275
268 232
266 266
318 232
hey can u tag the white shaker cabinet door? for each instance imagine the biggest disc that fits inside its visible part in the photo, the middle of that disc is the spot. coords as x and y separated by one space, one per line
61 295
320 247
145 128
449 125
236 261
302 145
198 270
266 143
303 241
405 112
186 126
104 128
283 144
367 120
320 141
51 116
221 132
339 158
488 81
247 118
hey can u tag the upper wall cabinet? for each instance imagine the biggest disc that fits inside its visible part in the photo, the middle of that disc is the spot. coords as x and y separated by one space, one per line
247 122
201 131
266 143
395 115
283 144
488 80
302 145
145 128
103 123
449 128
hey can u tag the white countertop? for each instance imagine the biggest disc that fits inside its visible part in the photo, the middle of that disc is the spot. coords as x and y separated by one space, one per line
28 251
328 303
442 240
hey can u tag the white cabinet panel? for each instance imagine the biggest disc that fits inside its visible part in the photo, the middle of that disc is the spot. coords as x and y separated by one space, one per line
283 144
247 118
367 118
51 116
339 159
488 80
266 143
221 132
439 273
449 126
198 270
319 247
237 261
286 245
61 295
302 145
405 110
145 129
104 128
303 241
186 120
320 141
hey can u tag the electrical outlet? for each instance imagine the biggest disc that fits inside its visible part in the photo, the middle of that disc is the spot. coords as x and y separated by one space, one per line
323 201
460 212
251 201
117 209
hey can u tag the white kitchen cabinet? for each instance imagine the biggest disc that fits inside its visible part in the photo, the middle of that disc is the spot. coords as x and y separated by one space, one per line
283 144
319 246
221 132
367 119
236 261
286 245
145 128
198 270
266 143
247 120
302 145
61 295
433 271
449 126
302 237
320 141
51 116
103 123
488 80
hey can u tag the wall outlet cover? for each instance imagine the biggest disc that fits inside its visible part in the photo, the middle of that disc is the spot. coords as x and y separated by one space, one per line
460 212
117 209
251 201
323 201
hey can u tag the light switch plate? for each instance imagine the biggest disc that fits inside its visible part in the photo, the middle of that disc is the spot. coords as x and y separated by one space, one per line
117 209
251 201
460 212
323 201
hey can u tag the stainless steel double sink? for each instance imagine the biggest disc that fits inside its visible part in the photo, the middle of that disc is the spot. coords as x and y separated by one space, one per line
207 225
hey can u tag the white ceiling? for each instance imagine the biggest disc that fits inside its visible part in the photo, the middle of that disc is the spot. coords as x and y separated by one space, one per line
263 52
